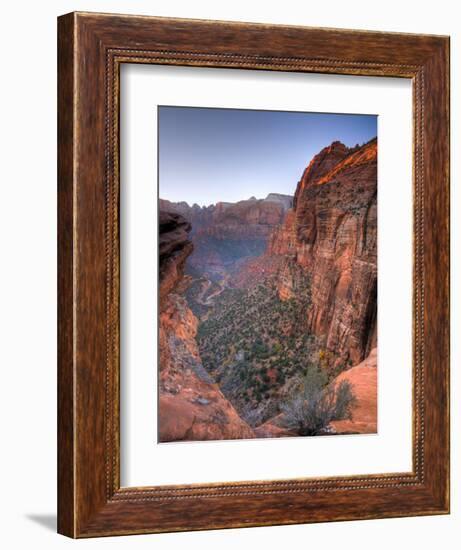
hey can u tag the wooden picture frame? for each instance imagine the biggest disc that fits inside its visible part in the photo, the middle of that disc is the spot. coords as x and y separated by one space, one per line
91 49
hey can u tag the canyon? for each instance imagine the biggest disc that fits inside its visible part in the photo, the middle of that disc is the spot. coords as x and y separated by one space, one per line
191 406
253 294
226 234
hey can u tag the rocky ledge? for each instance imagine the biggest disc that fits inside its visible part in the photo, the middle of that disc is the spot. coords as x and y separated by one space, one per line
191 406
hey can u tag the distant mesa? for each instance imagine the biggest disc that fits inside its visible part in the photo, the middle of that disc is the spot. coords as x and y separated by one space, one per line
183 207
285 200
226 232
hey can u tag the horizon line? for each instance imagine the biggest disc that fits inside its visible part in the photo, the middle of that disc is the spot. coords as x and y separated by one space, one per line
159 198
204 205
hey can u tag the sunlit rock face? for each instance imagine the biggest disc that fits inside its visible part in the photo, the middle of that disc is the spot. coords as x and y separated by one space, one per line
364 381
331 232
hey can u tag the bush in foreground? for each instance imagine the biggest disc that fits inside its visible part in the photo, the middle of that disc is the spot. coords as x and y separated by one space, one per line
318 404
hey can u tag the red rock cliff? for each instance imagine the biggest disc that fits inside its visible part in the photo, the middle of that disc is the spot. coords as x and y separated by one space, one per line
227 233
331 233
191 406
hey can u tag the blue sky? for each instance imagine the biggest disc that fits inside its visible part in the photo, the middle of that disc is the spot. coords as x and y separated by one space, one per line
211 155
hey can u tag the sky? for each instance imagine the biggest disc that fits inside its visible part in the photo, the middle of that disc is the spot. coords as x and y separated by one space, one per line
212 155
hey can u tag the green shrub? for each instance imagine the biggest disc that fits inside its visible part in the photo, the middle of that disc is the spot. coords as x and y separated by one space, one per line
318 404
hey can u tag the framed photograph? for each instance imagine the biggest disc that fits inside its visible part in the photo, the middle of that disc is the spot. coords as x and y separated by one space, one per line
253 259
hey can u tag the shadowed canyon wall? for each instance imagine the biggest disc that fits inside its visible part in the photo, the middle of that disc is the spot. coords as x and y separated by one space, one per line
191 406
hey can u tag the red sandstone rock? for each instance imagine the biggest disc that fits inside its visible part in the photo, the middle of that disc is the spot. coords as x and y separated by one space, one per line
253 270
268 429
174 248
191 406
198 412
363 379
247 213
284 238
331 233
321 164
227 232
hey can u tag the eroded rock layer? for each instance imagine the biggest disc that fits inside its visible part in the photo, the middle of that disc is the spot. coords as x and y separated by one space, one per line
191 406
363 379
226 234
331 232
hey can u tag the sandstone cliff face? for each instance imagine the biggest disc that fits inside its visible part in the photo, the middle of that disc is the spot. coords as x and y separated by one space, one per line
331 233
320 165
174 248
363 379
253 216
227 233
197 216
225 219
285 200
191 406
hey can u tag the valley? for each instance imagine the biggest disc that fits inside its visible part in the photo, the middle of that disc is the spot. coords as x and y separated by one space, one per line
260 296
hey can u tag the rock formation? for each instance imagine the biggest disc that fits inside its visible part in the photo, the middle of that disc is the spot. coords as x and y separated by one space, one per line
197 216
331 233
285 200
363 379
174 248
227 233
191 406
